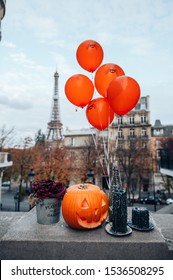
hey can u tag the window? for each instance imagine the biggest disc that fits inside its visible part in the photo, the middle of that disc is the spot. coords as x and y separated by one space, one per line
120 146
120 133
72 141
143 119
132 132
120 120
143 132
158 131
132 120
158 153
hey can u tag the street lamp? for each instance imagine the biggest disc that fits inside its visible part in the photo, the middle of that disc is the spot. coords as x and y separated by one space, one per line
153 183
90 175
17 201
2 12
31 175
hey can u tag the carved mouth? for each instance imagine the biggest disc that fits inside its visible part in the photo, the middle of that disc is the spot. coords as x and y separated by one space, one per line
84 223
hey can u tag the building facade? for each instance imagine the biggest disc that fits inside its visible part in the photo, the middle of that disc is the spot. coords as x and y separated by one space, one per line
80 147
130 140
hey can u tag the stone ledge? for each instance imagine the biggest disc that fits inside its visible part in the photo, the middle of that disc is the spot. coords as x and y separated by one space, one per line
165 225
7 219
26 239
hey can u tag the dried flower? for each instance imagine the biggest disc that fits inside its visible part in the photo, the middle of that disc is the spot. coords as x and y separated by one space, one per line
45 189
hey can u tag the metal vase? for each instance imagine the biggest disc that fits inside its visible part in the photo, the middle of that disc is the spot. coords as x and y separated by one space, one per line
48 211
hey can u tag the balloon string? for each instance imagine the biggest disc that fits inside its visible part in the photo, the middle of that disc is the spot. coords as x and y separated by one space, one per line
116 143
106 148
99 156
97 150
109 161
106 151
116 147
107 158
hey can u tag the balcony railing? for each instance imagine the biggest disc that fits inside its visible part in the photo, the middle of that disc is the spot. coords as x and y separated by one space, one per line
128 124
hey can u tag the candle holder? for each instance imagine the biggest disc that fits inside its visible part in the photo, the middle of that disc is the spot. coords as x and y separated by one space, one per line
141 219
117 220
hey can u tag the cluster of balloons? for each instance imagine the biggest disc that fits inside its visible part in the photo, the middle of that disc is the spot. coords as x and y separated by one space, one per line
119 93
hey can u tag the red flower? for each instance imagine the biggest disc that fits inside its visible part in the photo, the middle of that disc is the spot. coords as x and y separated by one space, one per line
43 189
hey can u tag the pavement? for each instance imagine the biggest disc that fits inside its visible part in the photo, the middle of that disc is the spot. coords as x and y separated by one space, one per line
9 203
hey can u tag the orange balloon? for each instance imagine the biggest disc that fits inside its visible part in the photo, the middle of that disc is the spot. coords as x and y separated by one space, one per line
79 90
123 94
99 113
89 55
104 75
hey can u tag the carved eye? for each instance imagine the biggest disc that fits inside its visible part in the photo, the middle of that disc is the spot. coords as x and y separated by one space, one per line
84 204
84 208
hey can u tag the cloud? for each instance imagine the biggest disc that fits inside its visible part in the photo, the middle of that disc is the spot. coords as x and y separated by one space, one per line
16 104
44 27
21 58
6 44
23 90
139 45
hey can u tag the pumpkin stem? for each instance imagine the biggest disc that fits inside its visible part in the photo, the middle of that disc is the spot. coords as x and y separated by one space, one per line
83 186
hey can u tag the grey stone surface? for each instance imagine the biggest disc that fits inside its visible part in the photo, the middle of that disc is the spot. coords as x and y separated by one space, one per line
168 209
165 225
7 219
24 238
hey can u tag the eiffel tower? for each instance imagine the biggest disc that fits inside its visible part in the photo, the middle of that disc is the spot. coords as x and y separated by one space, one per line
54 127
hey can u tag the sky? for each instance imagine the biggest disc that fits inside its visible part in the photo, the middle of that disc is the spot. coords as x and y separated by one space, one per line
40 37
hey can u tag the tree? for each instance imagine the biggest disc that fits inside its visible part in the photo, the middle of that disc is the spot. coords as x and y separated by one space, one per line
134 162
50 163
23 158
6 137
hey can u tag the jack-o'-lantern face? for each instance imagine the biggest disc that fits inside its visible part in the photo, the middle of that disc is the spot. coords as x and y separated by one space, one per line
85 206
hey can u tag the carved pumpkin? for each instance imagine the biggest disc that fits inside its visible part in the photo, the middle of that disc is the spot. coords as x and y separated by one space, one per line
85 206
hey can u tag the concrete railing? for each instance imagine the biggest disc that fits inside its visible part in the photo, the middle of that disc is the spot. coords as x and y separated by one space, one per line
5 160
23 238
